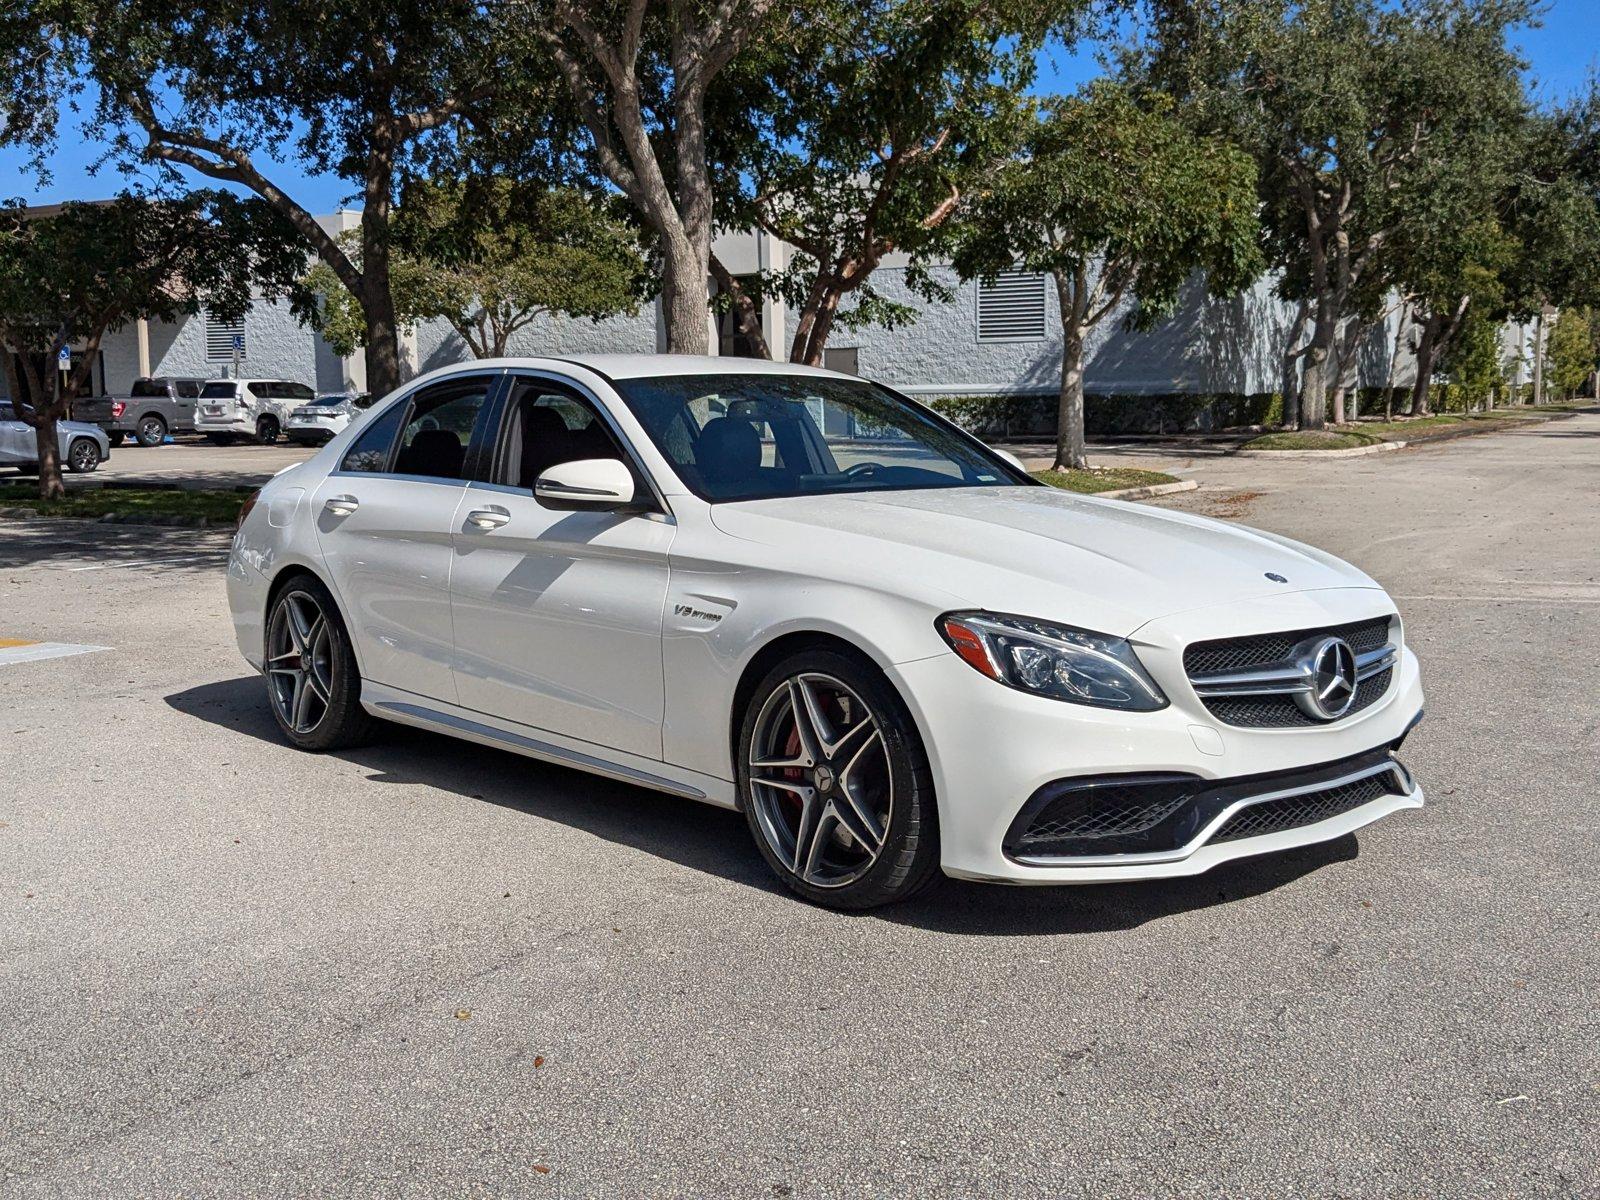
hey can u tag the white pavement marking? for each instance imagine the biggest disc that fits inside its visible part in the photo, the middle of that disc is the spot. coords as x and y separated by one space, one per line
39 651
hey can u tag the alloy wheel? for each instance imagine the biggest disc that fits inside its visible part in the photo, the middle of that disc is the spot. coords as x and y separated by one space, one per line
300 661
820 780
83 456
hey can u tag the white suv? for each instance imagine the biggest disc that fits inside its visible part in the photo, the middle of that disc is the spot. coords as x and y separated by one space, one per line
254 408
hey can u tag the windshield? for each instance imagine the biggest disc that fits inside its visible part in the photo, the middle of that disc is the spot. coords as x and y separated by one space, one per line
746 437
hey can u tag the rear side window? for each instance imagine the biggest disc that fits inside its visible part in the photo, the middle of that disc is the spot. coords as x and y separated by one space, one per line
295 391
218 391
188 389
428 436
262 391
148 387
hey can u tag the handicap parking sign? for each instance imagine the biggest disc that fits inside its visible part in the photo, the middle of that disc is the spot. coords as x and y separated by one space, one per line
65 356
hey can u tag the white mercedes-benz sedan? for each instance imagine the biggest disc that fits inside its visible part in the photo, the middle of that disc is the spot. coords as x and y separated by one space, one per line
802 596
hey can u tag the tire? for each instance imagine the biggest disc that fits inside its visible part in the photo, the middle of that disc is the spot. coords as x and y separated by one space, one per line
307 650
267 430
83 456
152 431
880 769
115 437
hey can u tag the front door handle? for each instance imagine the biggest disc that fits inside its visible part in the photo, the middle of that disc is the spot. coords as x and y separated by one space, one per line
492 517
341 506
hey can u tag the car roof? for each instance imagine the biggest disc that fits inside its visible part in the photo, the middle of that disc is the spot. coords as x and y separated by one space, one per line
635 366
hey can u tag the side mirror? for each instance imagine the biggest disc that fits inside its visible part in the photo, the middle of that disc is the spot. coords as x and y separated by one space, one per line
596 484
1010 458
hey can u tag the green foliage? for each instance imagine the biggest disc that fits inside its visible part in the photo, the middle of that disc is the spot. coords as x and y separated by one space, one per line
1120 192
1474 361
1312 439
1572 352
1091 481
489 256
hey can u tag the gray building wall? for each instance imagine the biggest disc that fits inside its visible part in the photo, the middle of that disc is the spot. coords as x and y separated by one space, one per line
438 345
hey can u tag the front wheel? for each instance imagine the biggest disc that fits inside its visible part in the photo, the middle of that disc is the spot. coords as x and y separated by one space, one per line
82 456
835 784
313 683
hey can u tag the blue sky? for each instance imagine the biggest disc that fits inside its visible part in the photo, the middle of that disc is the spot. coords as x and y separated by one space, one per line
1562 54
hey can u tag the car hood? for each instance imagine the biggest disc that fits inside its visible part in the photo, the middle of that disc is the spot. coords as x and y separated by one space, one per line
80 427
1038 551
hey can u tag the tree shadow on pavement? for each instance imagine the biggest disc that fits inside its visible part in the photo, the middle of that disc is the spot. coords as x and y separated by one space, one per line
67 542
716 842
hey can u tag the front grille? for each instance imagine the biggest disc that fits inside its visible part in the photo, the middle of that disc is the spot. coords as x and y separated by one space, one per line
1281 712
1292 812
1276 649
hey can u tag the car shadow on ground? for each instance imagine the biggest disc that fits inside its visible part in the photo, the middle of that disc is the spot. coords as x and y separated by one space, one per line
717 843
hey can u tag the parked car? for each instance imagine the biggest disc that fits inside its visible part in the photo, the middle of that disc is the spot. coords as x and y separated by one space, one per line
314 423
150 411
83 446
230 409
803 596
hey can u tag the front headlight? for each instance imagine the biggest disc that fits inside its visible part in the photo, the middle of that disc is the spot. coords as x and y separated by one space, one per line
1053 660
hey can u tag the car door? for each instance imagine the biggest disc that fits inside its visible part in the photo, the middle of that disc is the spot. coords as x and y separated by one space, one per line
184 394
18 444
558 614
384 520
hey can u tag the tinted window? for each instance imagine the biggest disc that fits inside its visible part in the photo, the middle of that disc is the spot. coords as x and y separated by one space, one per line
260 390
546 425
741 437
7 413
218 391
188 389
148 387
434 441
371 451
295 391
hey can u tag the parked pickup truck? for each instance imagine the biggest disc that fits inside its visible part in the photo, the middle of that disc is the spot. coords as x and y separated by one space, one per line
153 409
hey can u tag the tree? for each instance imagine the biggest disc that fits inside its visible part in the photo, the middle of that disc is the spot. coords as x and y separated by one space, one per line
884 115
1342 103
640 74
1118 203
67 278
490 256
1573 352
359 91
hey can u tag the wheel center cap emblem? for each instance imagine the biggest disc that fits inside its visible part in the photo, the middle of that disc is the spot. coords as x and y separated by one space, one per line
823 778
1331 666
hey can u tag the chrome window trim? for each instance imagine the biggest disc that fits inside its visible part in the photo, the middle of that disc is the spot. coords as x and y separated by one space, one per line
1197 842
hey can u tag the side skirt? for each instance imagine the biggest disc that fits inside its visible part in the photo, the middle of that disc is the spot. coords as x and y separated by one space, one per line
393 704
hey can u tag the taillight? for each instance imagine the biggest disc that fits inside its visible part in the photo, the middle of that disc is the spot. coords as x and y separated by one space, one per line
244 509
118 408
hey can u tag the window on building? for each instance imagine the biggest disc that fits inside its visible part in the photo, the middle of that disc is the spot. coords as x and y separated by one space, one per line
220 337
1012 308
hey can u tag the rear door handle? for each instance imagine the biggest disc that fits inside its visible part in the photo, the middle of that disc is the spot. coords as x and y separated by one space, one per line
341 506
492 517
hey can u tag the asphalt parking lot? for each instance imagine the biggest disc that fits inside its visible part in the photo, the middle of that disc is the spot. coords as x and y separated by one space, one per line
427 968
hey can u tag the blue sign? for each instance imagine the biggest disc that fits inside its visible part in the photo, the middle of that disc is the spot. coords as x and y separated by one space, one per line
238 341
65 356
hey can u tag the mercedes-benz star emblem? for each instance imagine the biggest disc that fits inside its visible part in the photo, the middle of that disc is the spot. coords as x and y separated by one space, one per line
1331 665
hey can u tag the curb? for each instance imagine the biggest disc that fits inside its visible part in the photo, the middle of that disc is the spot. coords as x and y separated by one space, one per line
1347 452
1146 492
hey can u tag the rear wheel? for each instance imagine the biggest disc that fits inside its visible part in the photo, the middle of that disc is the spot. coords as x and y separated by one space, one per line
152 431
267 430
83 455
313 684
835 784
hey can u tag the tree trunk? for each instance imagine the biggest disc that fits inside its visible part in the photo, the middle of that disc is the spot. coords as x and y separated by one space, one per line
1538 357
1427 354
744 308
1394 361
1071 453
1288 382
683 296
376 295
47 439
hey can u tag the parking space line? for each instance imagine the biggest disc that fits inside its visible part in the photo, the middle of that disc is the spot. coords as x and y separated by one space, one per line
7 643
21 652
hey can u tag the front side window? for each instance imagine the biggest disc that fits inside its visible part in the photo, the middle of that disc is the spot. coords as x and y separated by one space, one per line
745 437
545 426
261 391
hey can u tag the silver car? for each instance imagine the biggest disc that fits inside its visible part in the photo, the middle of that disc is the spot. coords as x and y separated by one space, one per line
83 447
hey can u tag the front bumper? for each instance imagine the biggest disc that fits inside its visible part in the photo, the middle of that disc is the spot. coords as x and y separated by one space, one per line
992 748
